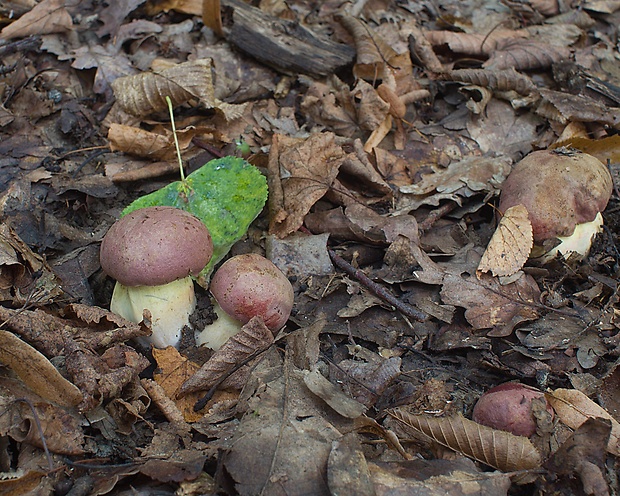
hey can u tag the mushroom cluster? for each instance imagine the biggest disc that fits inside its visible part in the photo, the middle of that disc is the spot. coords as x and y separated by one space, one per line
153 253
564 192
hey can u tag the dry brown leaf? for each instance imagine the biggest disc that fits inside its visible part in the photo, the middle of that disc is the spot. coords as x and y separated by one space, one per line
564 107
491 305
374 55
22 484
173 369
604 149
24 275
473 43
496 80
146 93
583 454
332 395
573 408
253 338
36 371
498 449
525 55
47 17
300 173
510 245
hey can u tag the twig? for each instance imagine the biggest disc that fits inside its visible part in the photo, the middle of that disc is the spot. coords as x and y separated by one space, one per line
435 215
377 289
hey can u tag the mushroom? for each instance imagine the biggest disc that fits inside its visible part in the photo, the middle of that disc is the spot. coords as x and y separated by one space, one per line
246 286
152 253
564 192
508 407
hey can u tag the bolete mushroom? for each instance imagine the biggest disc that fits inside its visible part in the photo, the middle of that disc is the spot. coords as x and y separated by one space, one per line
246 286
152 253
564 192
508 407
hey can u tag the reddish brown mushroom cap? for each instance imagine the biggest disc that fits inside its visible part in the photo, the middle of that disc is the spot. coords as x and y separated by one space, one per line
559 188
249 285
508 407
154 246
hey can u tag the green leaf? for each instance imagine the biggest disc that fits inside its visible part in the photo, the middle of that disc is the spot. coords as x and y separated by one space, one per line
227 194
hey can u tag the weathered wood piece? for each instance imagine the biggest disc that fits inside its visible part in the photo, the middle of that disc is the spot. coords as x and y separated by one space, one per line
284 45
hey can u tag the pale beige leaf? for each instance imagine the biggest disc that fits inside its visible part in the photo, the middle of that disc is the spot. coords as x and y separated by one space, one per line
36 371
510 245
146 93
498 449
573 408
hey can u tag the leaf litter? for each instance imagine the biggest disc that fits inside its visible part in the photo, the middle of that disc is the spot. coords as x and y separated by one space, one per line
384 145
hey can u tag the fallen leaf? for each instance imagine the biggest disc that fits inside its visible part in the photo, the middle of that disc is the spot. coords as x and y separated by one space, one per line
573 408
145 93
253 338
510 245
498 449
36 371
49 16
332 395
301 171
583 454
489 304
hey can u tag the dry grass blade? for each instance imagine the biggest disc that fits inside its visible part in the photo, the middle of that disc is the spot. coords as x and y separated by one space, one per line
146 93
498 449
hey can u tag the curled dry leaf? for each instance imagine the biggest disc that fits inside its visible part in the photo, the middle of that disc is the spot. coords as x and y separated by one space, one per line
49 16
526 54
332 395
496 80
510 245
253 338
498 449
573 408
36 371
374 55
146 93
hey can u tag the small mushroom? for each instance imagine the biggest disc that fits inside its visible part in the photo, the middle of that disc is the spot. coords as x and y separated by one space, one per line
152 253
246 286
564 192
508 407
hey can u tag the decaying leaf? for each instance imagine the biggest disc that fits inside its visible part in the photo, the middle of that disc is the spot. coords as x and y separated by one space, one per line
36 371
300 173
499 449
510 245
491 305
496 80
253 338
573 408
173 369
49 16
374 55
583 454
603 149
332 395
526 54
24 275
146 93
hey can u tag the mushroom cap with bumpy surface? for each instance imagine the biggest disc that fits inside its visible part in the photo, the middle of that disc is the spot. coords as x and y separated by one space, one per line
559 188
154 246
250 285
